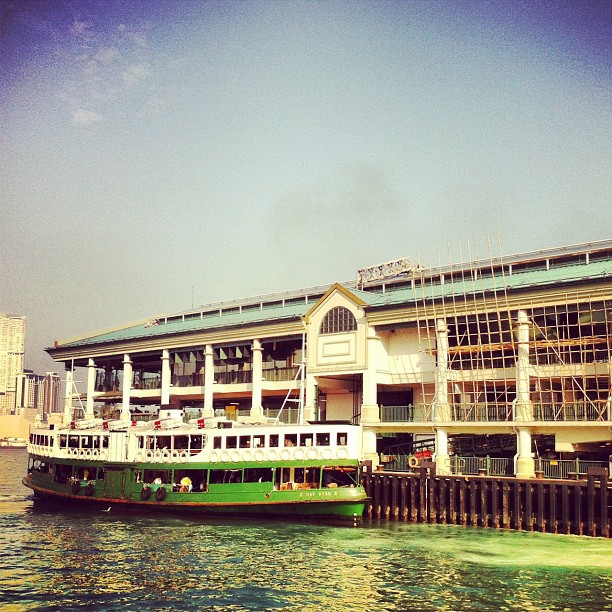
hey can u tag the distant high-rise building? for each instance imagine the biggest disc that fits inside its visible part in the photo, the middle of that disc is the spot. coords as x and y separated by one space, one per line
12 353
29 392
51 400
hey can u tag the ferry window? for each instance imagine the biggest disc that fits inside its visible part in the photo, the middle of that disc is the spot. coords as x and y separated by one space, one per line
104 441
245 441
86 442
151 475
342 439
181 442
163 442
225 476
63 440
96 441
196 444
73 441
32 438
140 441
306 439
290 439
231 442
217 442
273 440
307 478
259 441
337 320
258 475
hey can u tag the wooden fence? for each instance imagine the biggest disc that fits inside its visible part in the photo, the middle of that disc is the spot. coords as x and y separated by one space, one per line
578 507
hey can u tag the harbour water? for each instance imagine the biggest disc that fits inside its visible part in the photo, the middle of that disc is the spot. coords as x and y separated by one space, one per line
70 560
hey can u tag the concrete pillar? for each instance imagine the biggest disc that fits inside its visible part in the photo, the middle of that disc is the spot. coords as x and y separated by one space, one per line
523 410
166 377
209 381
126 387
256 407
441 458
441 412
369 447
310 402
91 387
68 397
370 411
525 465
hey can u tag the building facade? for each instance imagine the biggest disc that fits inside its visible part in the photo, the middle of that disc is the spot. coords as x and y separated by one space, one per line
511 353
12 354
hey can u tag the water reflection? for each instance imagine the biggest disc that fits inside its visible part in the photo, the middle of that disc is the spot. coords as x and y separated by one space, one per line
68 560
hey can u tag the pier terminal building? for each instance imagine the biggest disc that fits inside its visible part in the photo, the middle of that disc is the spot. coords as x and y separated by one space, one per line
509 354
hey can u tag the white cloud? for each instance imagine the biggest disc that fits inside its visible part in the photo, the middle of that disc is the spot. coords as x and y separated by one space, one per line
78 28
85 117
136 73
107 54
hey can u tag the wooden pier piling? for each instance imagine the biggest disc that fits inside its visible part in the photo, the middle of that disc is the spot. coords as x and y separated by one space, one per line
578 507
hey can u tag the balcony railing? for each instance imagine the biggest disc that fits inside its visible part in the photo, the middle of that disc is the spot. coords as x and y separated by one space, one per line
234 377
280 374
481 412
500 412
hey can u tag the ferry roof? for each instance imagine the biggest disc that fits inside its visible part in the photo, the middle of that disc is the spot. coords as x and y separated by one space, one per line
562 266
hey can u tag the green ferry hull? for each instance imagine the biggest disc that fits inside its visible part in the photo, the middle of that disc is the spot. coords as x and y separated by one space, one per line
314 503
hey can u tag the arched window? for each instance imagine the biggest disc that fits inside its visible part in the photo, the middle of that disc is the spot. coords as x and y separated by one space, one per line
338 319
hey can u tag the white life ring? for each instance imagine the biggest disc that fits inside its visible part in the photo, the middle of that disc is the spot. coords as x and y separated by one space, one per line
139 457
235 456
342 453
88 453
213 457
299 454
157 455
285 455
175 454
183 456
166 456
95 453
272 455
259 456
225 457
326 453
81 453
149 455
312 454
246 455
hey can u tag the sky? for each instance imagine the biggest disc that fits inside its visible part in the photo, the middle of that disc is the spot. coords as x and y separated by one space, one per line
161 155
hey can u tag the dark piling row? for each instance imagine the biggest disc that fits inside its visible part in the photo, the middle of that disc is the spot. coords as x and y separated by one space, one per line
578 507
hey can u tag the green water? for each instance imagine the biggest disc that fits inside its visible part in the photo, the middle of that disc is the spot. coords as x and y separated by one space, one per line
112 561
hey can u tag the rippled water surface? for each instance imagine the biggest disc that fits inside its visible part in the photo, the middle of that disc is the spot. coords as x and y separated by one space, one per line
70 560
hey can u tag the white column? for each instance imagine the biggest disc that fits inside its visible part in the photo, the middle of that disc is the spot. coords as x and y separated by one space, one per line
311 398
256 407
165 377
441 457
126 387
370 412
68 398
441 405
525 465
91 387
523 407
209 381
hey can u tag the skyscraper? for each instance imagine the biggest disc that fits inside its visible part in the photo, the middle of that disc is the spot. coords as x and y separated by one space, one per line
12 353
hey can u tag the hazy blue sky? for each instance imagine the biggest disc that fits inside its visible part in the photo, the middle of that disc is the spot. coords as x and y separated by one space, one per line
159 152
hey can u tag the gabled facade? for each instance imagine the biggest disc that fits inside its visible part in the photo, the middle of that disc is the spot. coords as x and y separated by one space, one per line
519 347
